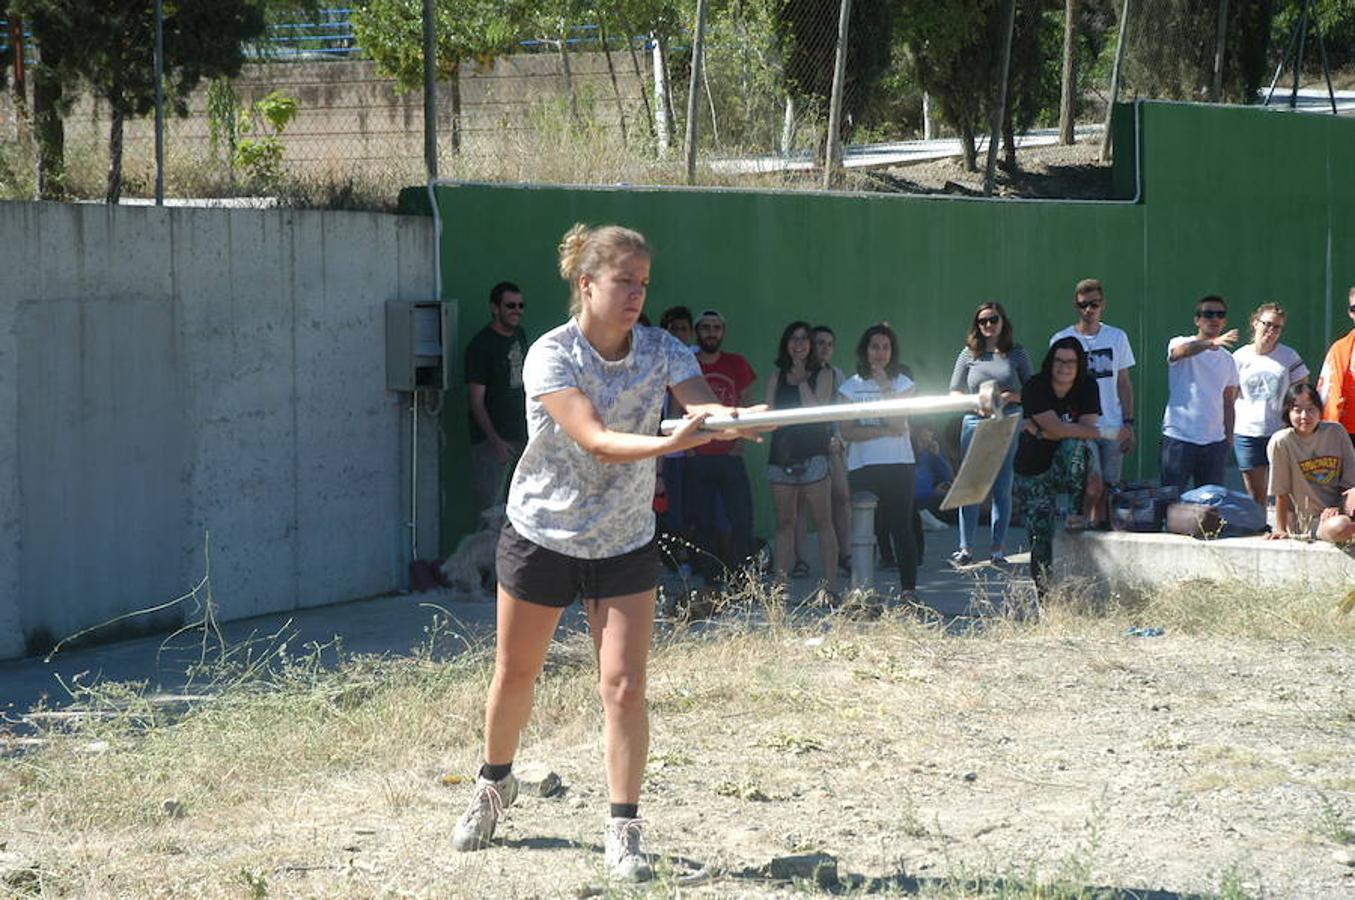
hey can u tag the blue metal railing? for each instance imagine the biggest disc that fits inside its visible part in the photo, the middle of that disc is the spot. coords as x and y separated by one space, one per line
329 36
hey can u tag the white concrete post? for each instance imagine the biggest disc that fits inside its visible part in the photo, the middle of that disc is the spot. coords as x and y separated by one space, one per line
863 540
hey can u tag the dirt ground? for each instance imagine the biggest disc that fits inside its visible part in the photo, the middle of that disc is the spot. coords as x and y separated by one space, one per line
1054 171
1035 763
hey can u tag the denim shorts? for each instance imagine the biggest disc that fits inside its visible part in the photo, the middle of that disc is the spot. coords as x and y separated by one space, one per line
528 571
1250 451
808 472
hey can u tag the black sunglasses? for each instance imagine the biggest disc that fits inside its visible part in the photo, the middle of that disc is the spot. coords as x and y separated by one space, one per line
519 305
1213 314
1352 307
989 320
1088 304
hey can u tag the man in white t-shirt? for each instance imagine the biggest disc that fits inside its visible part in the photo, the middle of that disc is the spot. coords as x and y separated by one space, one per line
1202 383
1109 359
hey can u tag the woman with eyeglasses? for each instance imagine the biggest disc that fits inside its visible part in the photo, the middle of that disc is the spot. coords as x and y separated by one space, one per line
797 463
1266 369
1312 472
1062 406
989 354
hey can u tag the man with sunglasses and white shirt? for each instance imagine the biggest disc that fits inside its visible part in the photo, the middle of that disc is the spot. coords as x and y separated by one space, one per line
1202 383
1109 359
498 401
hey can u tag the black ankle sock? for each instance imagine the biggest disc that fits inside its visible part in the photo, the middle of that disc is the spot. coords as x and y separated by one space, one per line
625 810
495 773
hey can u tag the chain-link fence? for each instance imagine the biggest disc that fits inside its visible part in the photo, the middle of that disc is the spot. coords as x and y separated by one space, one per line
604 92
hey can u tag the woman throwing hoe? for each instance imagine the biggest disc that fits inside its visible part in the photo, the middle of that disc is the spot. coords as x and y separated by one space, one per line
580 522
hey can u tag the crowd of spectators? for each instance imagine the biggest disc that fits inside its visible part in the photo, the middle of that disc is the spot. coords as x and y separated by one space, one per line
1077 425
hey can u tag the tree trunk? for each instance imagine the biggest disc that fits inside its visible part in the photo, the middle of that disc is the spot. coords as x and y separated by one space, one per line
788 127
567 73
454 101
616 88
971 156
928 128
644 90
50 132
1008 144
1068 101
114 193
1220 44
710 100
1000 111
663 104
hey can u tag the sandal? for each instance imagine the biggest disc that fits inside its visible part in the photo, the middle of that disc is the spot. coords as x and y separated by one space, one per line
800 569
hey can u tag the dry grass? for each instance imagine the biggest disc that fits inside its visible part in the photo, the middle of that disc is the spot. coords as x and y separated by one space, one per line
1024 758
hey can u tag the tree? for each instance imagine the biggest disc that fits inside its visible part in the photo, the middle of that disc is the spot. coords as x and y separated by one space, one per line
956 47
475 31
808 33
1173 45
108 46
1068 94
954 52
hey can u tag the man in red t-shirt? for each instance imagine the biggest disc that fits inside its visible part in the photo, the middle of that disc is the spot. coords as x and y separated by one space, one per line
716 477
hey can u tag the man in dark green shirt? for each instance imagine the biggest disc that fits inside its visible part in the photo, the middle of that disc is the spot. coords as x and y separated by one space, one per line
498 403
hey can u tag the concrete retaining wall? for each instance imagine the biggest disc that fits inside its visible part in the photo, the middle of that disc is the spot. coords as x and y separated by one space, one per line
170 373
1127 561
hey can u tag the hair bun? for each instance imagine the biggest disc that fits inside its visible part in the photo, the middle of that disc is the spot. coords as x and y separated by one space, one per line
571 251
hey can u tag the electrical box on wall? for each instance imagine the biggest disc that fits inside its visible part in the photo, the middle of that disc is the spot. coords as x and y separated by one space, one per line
419 338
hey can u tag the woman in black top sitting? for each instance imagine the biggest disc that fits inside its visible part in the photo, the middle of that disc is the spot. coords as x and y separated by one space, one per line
1062 406
797 464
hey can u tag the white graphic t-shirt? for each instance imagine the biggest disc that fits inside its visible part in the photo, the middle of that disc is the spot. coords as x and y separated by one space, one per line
1263 379
882 450
562 497
1108 352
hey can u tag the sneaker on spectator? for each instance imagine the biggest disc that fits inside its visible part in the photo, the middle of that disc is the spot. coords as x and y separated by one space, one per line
475 829
961 558
930 522
624 860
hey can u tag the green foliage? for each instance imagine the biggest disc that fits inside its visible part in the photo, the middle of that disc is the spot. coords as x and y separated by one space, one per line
109 45
478 31
1335 18
808 31
1172 46
261 156
223 118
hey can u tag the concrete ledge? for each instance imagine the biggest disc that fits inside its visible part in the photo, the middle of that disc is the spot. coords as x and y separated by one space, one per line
1126 560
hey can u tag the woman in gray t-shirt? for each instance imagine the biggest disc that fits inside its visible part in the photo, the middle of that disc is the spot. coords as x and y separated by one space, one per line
580 522
989 355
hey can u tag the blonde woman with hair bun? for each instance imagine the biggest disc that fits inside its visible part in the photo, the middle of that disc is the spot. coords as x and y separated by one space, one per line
580 522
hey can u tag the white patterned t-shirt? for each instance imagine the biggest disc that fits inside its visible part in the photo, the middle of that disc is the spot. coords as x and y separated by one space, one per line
562 497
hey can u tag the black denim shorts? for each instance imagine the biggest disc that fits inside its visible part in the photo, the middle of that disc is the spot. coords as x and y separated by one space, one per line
530 572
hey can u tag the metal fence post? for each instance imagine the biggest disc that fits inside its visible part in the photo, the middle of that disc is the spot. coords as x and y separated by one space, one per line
833 157
430 92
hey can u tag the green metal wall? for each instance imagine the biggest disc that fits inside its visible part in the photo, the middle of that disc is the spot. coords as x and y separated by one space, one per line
1240 202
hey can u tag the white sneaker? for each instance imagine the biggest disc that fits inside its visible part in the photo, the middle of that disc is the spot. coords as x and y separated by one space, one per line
930 522
476 827
625 862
